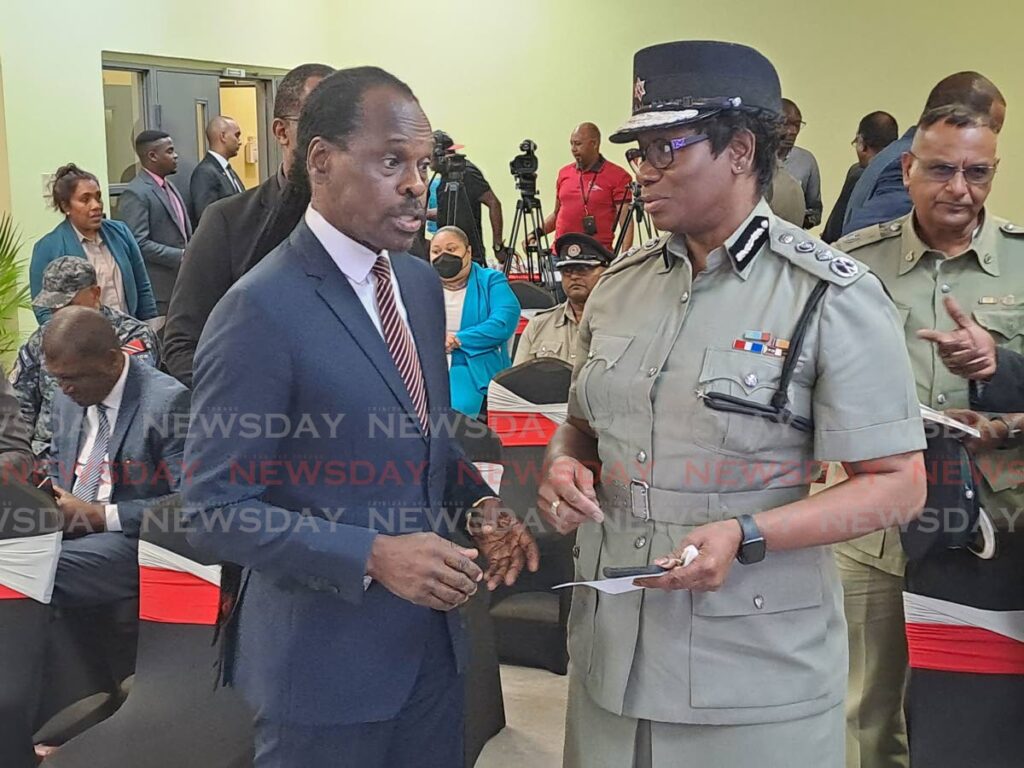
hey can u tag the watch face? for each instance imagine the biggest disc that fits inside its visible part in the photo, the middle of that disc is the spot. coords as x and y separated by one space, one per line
752 551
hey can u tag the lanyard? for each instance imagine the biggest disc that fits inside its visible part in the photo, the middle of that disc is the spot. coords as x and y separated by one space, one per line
593 181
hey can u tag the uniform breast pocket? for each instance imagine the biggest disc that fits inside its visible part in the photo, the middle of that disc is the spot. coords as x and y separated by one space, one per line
752 379
550 349
1006 325
601 377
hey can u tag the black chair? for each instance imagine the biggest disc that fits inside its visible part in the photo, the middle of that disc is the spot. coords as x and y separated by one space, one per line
28 518
530 619
485 706
532 295
175 716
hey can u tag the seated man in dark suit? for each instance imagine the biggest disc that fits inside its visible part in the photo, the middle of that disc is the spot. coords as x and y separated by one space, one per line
154 210
214 178
118 440
222 250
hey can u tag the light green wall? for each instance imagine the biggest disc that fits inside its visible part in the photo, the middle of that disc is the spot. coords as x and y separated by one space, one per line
492 72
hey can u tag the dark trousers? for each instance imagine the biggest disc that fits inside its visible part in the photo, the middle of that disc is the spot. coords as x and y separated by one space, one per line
957 718
427 733
95 570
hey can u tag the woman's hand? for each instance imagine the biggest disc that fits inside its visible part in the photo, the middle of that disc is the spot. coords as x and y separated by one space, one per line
717 545
451 341
567 497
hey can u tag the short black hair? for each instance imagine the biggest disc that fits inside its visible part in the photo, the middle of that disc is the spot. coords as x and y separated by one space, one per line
80 332
956 115
767 130
333 112
970 89
878 130
288 100
65 181
144 139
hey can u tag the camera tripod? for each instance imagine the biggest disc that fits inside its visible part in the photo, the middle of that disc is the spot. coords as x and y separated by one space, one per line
529 219
643 221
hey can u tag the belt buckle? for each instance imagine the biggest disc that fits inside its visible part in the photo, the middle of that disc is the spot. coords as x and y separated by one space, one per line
639 494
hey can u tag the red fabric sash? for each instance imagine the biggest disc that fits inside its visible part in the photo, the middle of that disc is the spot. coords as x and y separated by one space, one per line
6 593
521 429
173 597
522 325
953 648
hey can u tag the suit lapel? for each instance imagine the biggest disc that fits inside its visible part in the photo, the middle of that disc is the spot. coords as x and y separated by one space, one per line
70 440
126 413
163 196
336 292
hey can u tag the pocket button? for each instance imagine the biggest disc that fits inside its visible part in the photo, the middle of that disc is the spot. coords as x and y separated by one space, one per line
758 602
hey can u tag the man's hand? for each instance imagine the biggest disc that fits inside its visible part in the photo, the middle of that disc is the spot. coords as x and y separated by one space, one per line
425 569
80 517
993 433
969 351
717 545
504 541
567 497
451 342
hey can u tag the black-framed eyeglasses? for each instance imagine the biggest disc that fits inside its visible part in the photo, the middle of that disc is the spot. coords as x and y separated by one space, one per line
975 175
661 152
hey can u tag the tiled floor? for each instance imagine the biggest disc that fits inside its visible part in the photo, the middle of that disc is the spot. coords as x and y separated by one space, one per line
535 713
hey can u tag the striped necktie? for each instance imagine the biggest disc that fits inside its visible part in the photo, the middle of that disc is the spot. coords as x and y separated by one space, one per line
399 340
87 485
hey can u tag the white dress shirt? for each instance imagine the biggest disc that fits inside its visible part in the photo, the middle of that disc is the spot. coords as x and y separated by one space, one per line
92 428
355 262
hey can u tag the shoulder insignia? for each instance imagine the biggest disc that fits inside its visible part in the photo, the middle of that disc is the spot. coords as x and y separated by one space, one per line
134 347
813 255
869 235
1013 230
635 255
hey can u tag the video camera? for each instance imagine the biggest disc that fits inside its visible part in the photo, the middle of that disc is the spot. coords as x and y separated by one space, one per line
450 165
524 168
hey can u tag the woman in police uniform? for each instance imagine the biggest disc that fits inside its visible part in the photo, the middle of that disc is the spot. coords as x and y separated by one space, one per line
716 366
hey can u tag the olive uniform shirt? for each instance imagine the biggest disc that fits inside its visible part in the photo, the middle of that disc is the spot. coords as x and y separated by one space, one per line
655 340
550 333
987 280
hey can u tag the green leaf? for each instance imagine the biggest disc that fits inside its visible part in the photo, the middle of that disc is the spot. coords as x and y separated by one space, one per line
14 295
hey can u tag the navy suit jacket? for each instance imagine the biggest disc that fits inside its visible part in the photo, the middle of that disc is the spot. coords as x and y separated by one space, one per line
879 195
63 241
306 447
147 442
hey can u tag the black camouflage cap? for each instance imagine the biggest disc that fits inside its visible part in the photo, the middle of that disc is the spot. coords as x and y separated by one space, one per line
63 278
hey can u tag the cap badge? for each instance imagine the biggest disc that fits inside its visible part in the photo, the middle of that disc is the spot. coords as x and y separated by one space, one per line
639 91
573 251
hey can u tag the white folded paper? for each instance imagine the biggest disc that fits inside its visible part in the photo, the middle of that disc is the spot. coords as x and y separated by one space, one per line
938 417
625 584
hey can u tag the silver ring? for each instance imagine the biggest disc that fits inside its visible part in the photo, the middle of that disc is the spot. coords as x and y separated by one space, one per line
554 507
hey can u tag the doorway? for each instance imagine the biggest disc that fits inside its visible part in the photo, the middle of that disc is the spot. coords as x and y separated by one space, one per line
241 100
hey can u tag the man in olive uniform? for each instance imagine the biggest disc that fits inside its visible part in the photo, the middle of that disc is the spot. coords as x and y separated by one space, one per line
947 246
68 281
715 367
581 260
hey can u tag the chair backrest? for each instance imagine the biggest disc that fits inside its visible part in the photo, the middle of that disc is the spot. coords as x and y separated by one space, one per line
30 539
532 295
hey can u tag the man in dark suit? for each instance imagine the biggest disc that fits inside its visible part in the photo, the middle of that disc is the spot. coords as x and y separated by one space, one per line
222 249
155 212
213 178
118 441
15 443
348 645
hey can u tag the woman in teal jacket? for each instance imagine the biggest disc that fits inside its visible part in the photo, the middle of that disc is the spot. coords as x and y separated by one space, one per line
481 315
77 195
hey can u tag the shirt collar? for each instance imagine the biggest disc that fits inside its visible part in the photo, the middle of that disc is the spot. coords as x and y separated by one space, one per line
113 398
83 239
983 245
353 259
565 316
596 167
158 179
740 248
220 159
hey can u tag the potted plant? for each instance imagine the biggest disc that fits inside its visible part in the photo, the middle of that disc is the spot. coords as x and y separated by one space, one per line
13 294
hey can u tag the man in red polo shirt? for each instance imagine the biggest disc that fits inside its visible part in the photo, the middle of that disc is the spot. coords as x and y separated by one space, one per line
590 192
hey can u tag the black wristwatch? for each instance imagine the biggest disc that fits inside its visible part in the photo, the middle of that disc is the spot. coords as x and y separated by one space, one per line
752 547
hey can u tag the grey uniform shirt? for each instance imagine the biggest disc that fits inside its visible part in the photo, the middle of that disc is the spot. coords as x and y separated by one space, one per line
654 340
550 333
804 168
